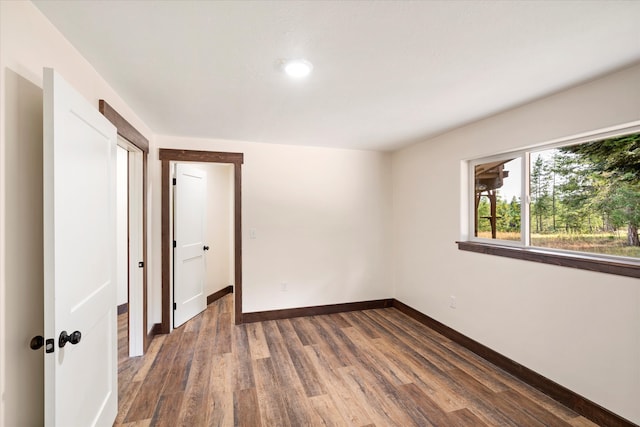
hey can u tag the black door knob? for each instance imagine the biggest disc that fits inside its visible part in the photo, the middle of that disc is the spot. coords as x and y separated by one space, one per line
36 342
64 338
206 248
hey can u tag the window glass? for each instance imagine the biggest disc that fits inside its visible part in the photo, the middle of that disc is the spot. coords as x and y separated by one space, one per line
586 197
498 195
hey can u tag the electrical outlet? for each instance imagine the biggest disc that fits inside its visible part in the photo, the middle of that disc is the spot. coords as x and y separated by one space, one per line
283 287
452 301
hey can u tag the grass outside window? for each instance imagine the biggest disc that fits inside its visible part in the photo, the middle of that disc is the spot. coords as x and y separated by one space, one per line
580 195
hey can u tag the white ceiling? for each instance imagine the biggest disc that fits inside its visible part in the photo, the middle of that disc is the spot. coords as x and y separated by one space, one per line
386 74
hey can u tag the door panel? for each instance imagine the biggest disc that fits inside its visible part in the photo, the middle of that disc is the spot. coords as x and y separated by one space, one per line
80 258
136 254
189 233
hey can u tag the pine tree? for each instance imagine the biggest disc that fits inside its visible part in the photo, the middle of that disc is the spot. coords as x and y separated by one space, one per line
618 161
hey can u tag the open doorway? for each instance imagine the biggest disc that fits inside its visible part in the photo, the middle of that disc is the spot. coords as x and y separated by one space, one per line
202 225
122 248
130 255
167 156
136 149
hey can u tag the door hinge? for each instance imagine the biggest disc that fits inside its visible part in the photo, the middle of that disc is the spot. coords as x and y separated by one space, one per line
140 264
174 181
174 243
175 306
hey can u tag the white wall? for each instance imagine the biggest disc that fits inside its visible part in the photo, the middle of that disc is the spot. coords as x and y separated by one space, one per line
578 328
28 42
322 222
122 226
219 258
322 219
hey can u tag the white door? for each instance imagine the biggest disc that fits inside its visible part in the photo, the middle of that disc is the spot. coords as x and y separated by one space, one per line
79 259
136 253
190 193
130 240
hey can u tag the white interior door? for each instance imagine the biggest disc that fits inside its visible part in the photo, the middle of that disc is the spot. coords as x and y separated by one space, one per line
190 193
136 253
79 168
130 240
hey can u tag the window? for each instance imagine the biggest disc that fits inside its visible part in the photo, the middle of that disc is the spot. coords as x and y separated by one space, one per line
580 195
498 195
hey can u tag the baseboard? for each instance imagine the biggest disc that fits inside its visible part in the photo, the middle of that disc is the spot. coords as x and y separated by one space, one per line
217 295
155 330
261 316
123 308
561 394
570 399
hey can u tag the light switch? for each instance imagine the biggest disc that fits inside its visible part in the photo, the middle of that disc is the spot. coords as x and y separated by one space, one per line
252 233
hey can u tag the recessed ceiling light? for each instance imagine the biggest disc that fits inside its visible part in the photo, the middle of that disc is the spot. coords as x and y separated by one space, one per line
297 68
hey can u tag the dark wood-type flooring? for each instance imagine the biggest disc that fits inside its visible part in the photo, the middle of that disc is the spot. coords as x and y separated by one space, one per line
364 368
123 338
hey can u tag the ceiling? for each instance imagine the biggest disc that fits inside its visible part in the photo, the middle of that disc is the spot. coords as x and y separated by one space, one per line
386 74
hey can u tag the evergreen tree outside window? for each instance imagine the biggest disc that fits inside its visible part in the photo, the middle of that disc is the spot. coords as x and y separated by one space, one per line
498 195
581 195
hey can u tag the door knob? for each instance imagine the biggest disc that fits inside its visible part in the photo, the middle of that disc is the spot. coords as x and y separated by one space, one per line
64 338
206 248
36 342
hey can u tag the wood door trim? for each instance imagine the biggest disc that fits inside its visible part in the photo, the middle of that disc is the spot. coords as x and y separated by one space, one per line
171 155
125 129
131 134
200 156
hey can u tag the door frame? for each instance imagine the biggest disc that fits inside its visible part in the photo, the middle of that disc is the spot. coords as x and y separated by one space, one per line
135 326
131 134
166 157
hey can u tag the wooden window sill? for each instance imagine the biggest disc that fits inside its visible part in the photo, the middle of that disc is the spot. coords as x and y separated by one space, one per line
581 261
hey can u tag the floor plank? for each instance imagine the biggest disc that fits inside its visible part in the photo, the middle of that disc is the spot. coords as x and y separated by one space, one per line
346 403
365 368
257 341
272 409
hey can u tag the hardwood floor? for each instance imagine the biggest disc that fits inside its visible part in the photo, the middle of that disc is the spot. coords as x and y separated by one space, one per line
364 368
123 337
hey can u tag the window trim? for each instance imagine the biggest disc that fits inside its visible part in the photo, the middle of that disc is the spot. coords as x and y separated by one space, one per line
512 155
522 249
577 260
